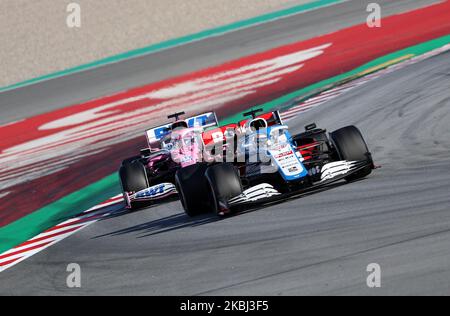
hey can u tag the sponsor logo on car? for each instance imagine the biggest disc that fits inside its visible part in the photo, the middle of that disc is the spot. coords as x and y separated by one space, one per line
151 192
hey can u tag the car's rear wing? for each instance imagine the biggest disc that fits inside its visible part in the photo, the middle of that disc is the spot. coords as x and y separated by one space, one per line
157 134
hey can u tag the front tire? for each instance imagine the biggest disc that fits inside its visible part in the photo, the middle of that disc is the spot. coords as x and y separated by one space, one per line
351 146
195 195
225 184
133 178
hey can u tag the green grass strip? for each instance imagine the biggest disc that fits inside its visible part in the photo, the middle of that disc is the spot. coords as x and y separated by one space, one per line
55 213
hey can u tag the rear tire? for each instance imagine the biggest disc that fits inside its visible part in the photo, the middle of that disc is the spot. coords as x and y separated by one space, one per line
351 146
192 186
225 184
130 160
133 178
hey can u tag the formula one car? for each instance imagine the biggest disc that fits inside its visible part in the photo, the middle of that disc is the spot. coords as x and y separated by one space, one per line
151 176
268 164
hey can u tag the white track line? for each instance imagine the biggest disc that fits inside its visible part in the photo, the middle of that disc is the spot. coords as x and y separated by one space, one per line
58 233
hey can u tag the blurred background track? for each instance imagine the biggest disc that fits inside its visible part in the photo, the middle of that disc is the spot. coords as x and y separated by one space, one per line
320 244
36 40
84 86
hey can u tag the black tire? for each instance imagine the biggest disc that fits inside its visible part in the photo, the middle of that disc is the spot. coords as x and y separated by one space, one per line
351 146
225 184
133 177
193 189
131 160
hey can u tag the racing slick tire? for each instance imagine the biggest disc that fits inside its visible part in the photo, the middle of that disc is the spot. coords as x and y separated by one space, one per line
193 189
225 183
133 178
351 146
130 160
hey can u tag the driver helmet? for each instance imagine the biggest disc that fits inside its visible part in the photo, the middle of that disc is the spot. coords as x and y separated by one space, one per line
257 124
179 125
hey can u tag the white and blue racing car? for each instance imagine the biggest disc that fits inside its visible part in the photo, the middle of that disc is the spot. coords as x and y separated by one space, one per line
262 162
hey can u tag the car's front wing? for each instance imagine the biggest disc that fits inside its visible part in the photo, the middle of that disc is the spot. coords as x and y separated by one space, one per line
267 193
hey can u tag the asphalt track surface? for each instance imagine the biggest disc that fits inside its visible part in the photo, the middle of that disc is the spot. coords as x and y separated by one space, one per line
320 244
87 85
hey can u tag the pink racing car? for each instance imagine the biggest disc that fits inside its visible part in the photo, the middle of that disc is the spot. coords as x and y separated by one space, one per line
150 177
